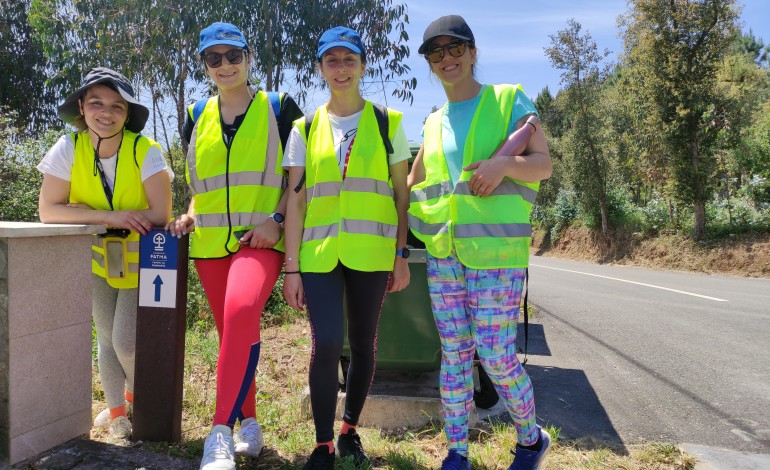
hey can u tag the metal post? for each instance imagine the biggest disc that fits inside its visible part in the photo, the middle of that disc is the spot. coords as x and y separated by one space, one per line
160 336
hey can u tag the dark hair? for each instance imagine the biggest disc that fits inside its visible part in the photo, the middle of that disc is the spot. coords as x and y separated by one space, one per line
363 57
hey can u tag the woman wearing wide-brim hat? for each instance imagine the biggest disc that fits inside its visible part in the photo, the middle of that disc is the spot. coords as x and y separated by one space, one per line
106 173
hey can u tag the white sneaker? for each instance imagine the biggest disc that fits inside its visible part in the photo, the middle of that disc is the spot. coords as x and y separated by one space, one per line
249 439
218 449
103 419
120 429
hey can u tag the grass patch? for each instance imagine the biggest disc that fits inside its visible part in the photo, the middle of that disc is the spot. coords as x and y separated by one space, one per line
290 436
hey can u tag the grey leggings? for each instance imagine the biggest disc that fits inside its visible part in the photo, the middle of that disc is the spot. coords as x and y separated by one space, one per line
114 313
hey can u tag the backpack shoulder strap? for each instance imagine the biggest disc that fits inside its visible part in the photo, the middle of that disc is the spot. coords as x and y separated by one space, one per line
308 123
275 101
198 109
381 113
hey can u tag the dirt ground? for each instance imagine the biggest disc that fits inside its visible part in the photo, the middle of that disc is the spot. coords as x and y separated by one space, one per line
741 255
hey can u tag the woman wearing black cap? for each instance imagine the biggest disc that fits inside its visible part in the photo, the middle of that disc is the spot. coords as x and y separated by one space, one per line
470 203
108 174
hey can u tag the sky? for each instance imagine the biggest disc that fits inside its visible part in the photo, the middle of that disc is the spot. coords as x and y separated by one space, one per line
511 36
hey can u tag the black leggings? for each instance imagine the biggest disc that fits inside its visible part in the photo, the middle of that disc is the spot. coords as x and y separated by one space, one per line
365 292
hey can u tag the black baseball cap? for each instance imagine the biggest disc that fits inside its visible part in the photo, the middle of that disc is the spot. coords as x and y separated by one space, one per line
450 25
69 110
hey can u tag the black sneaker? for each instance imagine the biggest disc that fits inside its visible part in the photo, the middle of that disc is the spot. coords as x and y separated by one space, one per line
350 445
320 459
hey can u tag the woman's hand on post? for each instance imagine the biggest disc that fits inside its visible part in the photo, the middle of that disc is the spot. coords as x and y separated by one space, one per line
401 275
182 225
293 291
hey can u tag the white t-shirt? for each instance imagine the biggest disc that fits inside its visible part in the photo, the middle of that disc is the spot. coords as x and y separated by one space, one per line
344 132
60 158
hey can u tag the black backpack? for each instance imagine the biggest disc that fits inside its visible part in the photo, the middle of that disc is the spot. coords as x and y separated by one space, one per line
380 112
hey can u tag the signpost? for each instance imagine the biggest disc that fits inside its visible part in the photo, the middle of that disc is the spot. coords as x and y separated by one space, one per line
160 332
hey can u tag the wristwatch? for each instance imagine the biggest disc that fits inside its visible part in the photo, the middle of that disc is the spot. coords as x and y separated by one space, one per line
403 253
278 218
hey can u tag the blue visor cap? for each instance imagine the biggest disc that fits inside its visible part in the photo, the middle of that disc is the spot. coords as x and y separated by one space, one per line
340 37
221 33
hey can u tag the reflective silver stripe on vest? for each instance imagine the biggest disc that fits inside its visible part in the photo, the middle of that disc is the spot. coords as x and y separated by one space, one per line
330 188
365 227
492 230
320 232
244 178
430 192
132 247
236 218
367 185
352 184
505 188
427 229
369 227
263 178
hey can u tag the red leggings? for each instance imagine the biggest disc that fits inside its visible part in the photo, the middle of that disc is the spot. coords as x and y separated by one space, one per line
237 288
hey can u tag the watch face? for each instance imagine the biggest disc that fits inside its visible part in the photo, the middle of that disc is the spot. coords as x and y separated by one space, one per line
404 252
278 217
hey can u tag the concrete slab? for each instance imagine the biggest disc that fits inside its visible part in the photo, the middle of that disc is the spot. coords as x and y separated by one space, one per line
396 399
713 458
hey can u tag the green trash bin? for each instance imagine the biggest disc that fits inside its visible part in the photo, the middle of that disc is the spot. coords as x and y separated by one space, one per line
407 339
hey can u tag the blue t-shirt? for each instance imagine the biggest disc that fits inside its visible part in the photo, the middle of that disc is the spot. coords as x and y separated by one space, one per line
456 123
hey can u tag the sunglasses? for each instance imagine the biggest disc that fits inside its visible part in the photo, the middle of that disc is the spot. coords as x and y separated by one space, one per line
233 56
436 54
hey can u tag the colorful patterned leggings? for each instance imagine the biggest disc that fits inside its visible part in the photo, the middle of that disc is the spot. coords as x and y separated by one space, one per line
478 309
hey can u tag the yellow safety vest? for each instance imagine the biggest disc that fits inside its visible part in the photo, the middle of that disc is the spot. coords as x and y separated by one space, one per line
491 232
236 187
352 221
115 258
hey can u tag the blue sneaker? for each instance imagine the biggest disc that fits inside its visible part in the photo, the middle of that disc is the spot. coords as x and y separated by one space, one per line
528 459
455 461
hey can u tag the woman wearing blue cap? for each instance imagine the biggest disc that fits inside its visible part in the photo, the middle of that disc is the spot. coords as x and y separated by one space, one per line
106 173
345 235
234 220
470 203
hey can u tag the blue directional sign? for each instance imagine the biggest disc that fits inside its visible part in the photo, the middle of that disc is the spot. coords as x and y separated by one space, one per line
157 269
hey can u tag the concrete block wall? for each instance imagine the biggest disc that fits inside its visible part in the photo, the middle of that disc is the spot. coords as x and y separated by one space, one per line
45 337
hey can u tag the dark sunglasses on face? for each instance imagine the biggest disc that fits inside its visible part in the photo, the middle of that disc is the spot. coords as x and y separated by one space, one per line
233 56
436 54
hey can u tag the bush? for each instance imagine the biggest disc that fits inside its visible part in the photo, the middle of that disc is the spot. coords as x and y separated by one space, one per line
654 216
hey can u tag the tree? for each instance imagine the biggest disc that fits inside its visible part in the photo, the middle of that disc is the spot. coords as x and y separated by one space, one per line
576 54
155 43
673 51
22 77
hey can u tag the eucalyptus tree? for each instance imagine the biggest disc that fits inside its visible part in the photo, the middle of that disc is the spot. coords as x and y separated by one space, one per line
673 50
583 143
25 101
155 42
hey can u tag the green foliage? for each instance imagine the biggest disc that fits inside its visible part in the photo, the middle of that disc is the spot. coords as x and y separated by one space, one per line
22 70
583 145
19 177
673 52
556 218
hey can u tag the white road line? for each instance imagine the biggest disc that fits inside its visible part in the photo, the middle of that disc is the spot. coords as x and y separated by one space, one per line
633 282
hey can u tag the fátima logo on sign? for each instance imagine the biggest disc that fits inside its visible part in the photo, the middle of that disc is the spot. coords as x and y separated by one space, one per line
159 257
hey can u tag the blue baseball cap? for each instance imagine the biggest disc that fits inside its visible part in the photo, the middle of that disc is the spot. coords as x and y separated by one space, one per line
341 36
221 33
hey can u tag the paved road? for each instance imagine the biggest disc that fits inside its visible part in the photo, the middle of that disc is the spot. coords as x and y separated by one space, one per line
615 356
